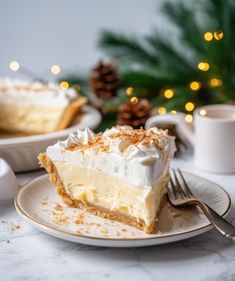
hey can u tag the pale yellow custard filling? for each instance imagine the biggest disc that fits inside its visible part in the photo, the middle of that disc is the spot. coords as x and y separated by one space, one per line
30 119
110 192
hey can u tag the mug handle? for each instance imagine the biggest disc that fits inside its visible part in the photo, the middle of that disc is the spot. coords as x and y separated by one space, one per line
184 129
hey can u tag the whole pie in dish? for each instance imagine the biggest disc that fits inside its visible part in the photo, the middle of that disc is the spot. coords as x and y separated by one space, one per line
121 174
34 107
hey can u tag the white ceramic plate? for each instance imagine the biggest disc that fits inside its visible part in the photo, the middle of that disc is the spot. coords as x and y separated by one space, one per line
37 203
22 152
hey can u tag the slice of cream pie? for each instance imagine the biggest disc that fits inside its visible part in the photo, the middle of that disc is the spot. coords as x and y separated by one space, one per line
34 107
121 174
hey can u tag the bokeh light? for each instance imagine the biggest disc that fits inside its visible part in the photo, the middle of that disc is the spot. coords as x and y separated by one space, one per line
64 85
161 110
218 35
208 36
168 94
129 91
55 69
214 82
202 112
203 66
195 86
14 65
189 106
188 118
134 100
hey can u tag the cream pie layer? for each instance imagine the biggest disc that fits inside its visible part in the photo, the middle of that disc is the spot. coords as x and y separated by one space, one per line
15 91
139 164
115 194
30 118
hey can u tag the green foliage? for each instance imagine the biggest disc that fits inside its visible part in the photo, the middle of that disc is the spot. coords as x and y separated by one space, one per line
154 62
169 60
108 121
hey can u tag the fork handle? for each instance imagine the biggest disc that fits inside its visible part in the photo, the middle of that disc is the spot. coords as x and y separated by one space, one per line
218 222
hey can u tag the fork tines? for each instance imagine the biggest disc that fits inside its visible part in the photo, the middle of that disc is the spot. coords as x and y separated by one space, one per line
179 185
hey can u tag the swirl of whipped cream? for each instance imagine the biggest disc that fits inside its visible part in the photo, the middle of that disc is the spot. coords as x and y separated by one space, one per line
144 154
72 139
119 145
79 136
122 146
85 136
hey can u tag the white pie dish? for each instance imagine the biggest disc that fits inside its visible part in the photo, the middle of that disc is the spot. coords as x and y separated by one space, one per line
21 152
36 202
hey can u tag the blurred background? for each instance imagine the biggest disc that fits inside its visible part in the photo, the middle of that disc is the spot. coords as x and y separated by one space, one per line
39 34
132 59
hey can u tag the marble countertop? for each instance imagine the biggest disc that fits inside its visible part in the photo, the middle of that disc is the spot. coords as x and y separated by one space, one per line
28 254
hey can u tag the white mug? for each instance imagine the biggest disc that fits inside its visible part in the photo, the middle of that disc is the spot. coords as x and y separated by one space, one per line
213 137
214 142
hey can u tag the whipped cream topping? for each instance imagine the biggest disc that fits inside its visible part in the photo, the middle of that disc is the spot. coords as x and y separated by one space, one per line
34 93
83 137
140 157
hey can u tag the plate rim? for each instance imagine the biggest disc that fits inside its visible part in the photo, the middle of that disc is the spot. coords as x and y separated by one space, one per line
69 234
5 142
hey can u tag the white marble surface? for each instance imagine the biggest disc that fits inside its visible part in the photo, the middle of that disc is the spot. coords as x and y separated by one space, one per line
27 254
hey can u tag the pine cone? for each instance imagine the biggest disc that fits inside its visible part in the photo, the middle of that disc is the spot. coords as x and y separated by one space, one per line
104 80
134 114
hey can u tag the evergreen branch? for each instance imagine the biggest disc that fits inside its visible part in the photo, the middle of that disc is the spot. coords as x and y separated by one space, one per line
143 79
158 80
126 49
185 20
161 63
165 50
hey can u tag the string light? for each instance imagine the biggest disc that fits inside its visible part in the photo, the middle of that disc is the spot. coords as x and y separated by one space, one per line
173 112
189 106
218 35
208 36
134 100
64 85
168 94
55 69
214 82
188 118
202 112
14 65
195 86
161 110
129 91
203 66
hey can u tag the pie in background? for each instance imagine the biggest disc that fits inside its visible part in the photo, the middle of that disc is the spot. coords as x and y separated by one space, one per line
35 108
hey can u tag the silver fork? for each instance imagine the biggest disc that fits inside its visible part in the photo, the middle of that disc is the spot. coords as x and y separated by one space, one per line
180 195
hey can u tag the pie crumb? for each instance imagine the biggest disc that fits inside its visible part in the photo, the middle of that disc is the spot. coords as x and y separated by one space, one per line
44 201
61 220
80 219
58 207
